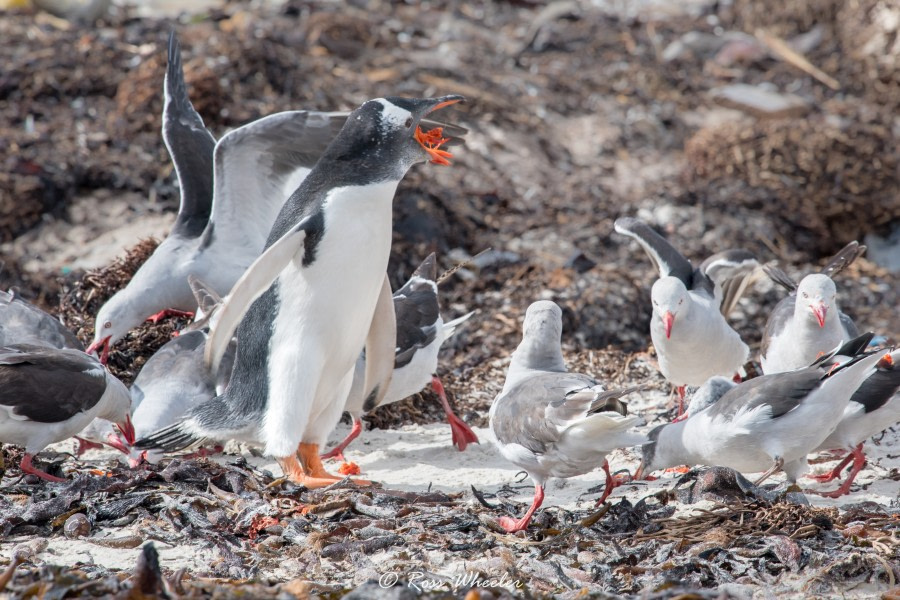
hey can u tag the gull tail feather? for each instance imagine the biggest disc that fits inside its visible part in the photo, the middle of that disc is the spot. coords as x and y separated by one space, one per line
450 326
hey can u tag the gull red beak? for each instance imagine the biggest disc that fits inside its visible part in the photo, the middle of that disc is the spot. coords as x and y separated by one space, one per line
819 310
136 462
639 473
101 343
668 320
114 441
127 429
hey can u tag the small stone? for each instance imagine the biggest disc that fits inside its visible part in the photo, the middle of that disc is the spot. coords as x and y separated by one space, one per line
759 101
77 526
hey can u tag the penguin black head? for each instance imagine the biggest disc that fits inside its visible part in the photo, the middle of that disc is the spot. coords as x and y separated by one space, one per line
385 136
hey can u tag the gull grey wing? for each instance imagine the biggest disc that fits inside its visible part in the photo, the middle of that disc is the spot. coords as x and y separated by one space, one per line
731 271
843 259
668 260
379 349
253 283
881 386
48 385
258 167
208 301
778 320
520 415
191 147
780 277
22 322
782 392
850 327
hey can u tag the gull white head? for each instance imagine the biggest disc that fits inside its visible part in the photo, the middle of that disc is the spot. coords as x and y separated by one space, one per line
114 320
816 293
540 348
118 410
670 299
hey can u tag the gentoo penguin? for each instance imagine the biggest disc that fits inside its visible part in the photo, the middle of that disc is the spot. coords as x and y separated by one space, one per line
808 322
420 333
230 194
768 423
693 341
24 323
48 395
317 295
553 423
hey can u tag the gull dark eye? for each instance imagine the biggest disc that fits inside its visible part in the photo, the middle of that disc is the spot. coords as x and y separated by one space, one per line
107 325
409 122
805 295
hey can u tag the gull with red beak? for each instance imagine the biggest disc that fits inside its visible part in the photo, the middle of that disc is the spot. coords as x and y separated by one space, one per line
48 395
808 322
693 341
768 423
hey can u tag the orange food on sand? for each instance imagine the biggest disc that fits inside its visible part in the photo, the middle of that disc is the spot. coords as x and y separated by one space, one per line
682 469
349 468
432 140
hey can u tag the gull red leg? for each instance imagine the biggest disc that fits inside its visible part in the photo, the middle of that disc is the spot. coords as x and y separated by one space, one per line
85 445
835 473
29 468
338 451
612 482
680 391
512 525
169 312
859 461
462 434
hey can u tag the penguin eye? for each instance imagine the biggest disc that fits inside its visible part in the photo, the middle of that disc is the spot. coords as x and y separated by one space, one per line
107 325
409 122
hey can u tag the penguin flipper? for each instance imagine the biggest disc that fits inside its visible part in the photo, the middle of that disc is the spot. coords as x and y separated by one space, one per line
381 343
253 283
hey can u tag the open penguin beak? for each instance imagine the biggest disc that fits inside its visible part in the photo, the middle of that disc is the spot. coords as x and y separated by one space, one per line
819 310
668 320
101 343
433 139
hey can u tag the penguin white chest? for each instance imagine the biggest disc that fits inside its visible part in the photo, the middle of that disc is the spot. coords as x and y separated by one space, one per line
325 308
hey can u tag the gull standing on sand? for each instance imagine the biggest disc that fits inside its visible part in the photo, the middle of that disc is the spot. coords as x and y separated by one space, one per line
770 422
318 294
420 333
48 395
693 341
874 407
553 423
807 323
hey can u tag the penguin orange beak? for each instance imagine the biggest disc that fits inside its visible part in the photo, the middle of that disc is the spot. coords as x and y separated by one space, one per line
668 320
819 310
101 343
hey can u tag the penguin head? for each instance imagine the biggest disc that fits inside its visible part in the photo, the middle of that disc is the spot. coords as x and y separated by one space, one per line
387 136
